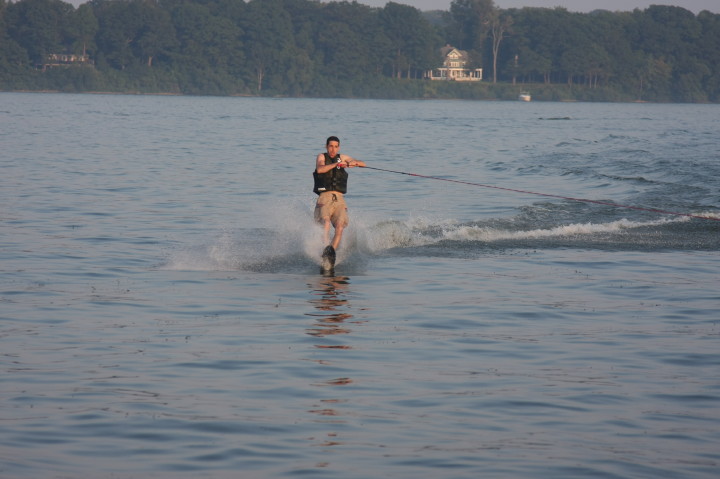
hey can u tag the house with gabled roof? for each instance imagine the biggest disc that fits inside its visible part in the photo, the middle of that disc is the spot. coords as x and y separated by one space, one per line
454 66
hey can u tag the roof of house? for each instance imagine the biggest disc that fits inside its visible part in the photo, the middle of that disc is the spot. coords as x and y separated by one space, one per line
448 49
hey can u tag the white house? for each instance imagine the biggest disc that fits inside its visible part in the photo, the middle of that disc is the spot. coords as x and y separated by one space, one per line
454 67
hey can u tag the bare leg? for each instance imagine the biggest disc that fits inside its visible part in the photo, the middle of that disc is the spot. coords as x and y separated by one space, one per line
338 236
326 230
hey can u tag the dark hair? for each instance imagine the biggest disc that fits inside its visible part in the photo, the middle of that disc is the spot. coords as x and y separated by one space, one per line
332 138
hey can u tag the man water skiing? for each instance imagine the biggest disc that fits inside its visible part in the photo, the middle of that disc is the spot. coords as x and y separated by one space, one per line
331 184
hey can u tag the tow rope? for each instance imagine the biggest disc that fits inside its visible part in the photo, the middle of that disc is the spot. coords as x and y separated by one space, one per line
583 200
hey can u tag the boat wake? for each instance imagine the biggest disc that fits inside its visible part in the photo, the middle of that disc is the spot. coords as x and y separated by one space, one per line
418 236
296 244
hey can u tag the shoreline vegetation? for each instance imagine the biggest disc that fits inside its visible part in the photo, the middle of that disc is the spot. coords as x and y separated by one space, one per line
558 93
275 48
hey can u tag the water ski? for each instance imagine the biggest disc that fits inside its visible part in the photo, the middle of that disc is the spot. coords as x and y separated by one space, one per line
328 260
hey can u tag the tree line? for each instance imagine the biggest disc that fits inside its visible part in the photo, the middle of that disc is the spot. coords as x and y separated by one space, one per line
308 48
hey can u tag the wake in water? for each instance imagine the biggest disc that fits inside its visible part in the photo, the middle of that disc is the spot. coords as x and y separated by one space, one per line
295 246
471 239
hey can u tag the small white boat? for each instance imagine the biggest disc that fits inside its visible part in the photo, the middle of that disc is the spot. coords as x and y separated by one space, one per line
524 96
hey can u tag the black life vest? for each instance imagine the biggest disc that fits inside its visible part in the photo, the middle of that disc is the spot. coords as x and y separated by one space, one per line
333 180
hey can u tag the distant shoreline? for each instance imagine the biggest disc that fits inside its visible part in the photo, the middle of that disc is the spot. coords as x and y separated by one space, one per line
536 98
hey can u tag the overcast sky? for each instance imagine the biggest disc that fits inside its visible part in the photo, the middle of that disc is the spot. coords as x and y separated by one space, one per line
695 6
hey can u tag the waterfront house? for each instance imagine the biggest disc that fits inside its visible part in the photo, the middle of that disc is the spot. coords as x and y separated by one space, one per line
454 67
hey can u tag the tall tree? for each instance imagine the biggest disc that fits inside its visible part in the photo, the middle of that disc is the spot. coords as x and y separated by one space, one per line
157 34
83 26
413 39
13 58
205 40
470 23
672 30
710 51
352 49
133 31
267 28
499 25
39 26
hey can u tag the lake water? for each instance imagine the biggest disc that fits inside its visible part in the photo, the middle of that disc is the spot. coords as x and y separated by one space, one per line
162 314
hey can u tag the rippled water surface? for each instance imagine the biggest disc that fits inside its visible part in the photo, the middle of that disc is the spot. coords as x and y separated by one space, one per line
162 314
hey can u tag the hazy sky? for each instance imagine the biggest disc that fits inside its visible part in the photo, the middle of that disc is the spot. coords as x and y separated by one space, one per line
695 6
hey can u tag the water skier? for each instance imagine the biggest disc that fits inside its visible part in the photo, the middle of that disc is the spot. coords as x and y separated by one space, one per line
331 184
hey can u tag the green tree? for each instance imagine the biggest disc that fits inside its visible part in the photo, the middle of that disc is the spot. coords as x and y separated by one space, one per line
132 32
531 65
209 55
672 34
541 37
470 23
350 50
82 28
205 40
657 76
671 31
499 25
39 26
156 35
13 58
413 40
610 31
267 28
709 52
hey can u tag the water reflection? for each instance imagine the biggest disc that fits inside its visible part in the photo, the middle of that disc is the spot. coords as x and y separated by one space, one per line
332 314
330 300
